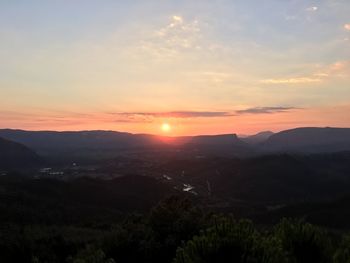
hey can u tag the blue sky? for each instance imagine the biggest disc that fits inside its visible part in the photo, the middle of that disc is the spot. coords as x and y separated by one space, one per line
100 64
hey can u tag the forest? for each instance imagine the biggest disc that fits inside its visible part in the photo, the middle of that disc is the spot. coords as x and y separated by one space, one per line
175 230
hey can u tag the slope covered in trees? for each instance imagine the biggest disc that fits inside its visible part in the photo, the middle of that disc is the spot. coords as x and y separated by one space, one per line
174 231
15 155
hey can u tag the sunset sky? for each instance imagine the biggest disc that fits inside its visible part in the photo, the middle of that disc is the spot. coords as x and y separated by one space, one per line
200 66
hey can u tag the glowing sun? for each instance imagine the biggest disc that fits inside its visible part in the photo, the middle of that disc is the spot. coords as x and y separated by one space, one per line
166 127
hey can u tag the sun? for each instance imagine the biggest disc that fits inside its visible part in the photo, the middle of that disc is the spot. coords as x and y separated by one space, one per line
166 127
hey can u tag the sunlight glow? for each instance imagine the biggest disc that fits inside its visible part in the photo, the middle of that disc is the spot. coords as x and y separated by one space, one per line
166 127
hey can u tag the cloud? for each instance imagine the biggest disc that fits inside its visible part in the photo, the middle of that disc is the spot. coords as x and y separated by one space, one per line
149 116
336 69
45 117
169 40
347 27
312 8
173 114
179 33
265 110
298 80
178 19
70 119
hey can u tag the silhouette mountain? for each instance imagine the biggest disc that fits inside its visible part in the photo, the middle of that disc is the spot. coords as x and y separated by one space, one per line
257 138
15 155
225 145
108 143
53 142
77 139
309 140
222 139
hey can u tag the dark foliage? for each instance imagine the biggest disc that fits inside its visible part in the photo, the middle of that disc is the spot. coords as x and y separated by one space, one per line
303 242
173 231
231 241
342 254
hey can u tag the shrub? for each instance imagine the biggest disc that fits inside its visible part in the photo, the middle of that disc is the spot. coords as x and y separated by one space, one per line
342 254
303 242
231 241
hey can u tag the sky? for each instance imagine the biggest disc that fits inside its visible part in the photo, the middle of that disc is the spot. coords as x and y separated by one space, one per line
199 66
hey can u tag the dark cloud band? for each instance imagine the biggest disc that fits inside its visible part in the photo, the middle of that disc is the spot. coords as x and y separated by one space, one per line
265 110
147 116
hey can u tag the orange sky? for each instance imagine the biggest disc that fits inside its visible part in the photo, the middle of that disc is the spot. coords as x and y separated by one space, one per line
204 67
185 124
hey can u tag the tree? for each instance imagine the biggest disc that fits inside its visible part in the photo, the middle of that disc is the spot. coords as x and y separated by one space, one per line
174 221
303 242
231 241
342 254
91 255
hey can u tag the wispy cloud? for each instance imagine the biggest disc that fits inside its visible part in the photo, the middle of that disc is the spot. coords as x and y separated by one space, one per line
174 114
265 110
312 9
49 117
148 116
74 119
179 33
176 36
337 69
298 80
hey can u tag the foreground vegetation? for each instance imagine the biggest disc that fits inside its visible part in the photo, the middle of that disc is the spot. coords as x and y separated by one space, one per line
173 231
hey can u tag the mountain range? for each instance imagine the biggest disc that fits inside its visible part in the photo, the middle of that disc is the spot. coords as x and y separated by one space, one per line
309 140
257 138
104 143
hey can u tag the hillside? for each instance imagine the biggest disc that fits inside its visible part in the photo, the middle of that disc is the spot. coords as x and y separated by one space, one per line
16 156
226 145
77 139
94 145
309 140
100 144
23 199
257 138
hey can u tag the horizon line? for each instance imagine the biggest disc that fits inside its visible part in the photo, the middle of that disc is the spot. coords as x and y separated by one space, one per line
174 136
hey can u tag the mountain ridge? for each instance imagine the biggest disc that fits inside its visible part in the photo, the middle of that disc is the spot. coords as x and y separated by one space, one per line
299 140
309 140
